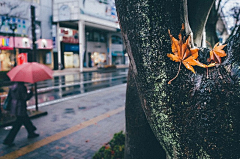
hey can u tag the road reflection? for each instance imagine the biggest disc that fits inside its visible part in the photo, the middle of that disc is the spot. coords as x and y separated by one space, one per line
73 84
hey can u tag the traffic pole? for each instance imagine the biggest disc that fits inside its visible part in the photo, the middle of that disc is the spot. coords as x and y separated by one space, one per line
34 48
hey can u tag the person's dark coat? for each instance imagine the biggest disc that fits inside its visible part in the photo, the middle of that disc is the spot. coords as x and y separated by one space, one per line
19 96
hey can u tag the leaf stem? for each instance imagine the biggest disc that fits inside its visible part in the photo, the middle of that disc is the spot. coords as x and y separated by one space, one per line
209 44
207 72
176 75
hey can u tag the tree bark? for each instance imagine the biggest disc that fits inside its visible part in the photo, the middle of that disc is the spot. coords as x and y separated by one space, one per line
198 12
211 33
197 116
140 141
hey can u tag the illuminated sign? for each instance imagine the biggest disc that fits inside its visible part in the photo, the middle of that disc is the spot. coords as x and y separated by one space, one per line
4 42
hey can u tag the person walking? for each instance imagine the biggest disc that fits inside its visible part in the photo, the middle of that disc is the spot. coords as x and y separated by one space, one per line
18 108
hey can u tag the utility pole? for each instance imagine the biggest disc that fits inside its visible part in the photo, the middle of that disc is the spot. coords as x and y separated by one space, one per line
34 48
13 27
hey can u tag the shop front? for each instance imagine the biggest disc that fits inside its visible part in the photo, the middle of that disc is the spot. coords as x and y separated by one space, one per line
69 48
97 54
70 55
118 58
117 50
7 54
96 46
44 52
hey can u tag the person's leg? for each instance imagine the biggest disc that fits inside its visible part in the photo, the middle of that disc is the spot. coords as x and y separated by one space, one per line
13 132
30 127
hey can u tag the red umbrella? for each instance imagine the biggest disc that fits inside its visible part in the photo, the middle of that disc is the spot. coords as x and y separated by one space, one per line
30 72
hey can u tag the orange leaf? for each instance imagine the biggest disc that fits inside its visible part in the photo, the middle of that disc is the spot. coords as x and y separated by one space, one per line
211 65
194 52
174 57
175 46
217 53
188 66
182 52
180 48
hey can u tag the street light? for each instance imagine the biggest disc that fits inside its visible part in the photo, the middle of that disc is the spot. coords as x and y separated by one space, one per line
13 27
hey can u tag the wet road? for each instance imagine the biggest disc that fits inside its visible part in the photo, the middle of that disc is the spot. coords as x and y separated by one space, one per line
72 84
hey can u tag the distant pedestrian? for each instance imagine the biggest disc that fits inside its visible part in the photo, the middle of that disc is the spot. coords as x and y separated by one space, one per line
20 96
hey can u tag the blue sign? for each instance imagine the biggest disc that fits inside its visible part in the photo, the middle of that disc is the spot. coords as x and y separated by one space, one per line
72 48
118 53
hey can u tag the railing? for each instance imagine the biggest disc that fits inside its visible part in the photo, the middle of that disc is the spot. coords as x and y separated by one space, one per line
72 83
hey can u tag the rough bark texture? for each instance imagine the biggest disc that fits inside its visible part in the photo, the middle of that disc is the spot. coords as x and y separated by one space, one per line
140 140
195 116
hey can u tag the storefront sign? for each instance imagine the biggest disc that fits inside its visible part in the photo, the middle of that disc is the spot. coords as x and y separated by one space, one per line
25 43
5 44
117 50
4 41
117 53
19 42
22 58
45 44
54 37
104 9
69 35
72 48
48 58
70 40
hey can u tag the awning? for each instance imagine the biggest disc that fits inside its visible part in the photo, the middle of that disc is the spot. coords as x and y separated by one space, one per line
6 48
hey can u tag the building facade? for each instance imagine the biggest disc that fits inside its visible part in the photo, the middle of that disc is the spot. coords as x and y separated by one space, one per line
86 34
16 34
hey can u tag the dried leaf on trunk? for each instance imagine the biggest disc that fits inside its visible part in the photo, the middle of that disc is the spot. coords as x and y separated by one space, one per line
183 53
216 53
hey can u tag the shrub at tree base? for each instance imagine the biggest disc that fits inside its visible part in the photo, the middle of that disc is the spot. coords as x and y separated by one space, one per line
113 149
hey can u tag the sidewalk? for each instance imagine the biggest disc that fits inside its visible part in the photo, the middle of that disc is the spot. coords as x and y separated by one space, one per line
74 128
6 120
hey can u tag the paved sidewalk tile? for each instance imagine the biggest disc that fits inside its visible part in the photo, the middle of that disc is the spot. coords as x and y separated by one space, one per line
82 144
67 114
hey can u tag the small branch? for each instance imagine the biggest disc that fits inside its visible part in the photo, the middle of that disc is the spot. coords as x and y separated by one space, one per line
218 5
187 25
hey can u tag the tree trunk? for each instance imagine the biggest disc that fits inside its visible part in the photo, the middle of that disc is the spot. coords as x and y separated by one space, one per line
197 116
198 14
211 30
140 140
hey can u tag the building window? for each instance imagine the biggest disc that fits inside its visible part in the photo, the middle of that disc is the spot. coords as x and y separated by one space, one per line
116 39
96 36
